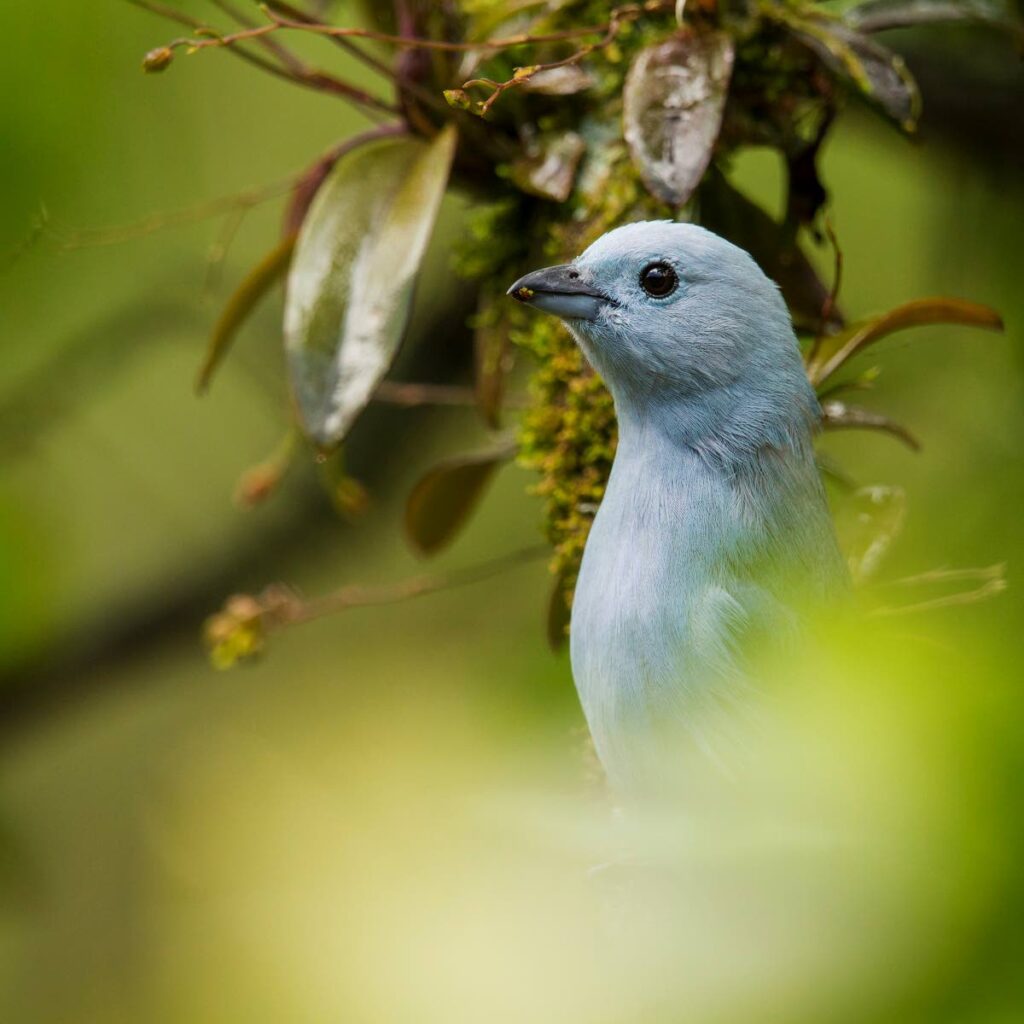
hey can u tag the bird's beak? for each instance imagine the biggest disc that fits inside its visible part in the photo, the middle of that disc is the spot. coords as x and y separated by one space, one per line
560 290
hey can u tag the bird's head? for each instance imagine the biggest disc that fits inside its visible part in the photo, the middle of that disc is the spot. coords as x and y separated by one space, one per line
672 315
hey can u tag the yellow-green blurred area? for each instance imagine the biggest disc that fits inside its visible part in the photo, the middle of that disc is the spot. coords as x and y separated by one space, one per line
390 816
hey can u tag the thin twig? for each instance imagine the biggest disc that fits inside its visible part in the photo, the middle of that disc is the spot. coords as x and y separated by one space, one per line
411 394
989 589
292 69
619 17
284 607
278 22
176 218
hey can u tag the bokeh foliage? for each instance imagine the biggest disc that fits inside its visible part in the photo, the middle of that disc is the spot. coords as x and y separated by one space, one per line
267 844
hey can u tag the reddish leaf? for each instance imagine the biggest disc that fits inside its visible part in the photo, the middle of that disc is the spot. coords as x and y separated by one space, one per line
840 348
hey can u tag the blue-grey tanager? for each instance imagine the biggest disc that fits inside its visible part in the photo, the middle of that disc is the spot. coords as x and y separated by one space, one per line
714 529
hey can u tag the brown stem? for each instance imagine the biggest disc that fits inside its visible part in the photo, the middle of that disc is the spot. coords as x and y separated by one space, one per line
411 394
282 607
292 69
278 22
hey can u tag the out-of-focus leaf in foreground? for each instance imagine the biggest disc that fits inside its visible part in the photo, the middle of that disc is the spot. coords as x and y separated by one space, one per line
254 286
445 496
840 348
673 103
351 282
867 522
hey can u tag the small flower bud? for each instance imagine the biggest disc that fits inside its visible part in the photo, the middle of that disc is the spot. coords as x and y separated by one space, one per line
157 60
458 99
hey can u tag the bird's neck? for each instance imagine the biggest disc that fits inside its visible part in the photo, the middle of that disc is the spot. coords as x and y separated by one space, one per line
723 487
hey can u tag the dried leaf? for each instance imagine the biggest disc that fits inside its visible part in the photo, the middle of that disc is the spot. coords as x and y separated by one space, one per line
548 169
867 523
837 350
881 15
840 416
673 102
351 282
254 286
444 498
880 75
563 81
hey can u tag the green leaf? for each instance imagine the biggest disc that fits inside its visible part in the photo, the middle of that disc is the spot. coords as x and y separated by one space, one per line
673 103
877 73
351 282
881 15
867 523
840 348
243 301
443 499
840 416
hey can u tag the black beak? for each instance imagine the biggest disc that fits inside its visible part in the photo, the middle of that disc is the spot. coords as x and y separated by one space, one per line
561 290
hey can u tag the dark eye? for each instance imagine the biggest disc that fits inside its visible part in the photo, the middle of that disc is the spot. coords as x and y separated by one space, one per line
658 280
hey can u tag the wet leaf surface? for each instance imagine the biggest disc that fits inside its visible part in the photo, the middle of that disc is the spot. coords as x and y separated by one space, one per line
840 416
254 286
673 103
445 497
867 523
351 282
837 350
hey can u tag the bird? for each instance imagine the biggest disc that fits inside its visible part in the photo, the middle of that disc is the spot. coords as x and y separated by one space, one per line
714 533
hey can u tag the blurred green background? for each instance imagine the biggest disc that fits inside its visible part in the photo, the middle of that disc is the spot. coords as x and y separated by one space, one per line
301 840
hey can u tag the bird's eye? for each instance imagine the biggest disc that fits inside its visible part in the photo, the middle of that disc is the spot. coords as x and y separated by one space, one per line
658 280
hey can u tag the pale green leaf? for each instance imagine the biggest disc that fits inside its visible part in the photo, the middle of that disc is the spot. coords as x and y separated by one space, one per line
351 282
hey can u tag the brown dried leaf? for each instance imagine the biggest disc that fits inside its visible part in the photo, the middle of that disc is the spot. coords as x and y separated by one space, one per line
444 497
549 166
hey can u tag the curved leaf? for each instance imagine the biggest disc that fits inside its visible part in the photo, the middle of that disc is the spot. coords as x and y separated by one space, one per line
881 15
837 350
351 282
254 286
673 102
840 416
444 498
880 75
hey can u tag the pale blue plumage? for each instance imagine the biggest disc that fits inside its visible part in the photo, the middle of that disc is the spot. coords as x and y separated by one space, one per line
714 529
